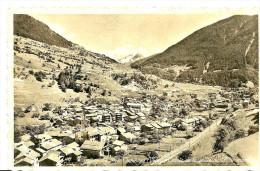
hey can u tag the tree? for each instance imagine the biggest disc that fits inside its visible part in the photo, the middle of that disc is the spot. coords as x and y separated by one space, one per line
240 134
253 129
185 155
221 138
183 112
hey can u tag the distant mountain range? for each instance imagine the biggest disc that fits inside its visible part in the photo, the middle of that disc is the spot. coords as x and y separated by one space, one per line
131 58
224 53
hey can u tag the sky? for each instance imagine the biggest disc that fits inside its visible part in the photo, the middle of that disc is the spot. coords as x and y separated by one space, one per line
120 35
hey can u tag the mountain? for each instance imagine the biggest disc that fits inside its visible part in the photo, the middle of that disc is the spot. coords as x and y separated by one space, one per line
28 27
224 53
137 57
131 58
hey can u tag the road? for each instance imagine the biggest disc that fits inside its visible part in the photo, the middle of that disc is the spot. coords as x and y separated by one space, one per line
188 144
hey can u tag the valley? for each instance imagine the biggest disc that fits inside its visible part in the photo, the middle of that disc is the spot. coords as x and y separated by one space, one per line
75 107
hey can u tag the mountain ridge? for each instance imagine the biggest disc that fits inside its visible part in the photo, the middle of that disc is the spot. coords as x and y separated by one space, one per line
226 45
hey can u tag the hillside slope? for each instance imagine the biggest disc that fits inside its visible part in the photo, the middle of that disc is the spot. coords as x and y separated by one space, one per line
28 27
226 50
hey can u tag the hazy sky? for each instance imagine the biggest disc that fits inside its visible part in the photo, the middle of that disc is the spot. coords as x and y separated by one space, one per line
118 35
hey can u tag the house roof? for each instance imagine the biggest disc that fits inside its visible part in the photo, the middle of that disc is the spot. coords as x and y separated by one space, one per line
29 153
118 143
92 145
28 143
43 136
164 125
140 114
77 153
26 137
50 143
74 144
104 130
67 150
133 117
137 128
121 130
188 120
51 155
148 125
26 160
156 125
129 135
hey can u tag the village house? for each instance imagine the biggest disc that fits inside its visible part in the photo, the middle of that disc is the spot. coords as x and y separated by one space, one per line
189 122
92 149
71 152
106 133
43 137
165 126
91 133
118 146
135 106
106 117
50 144
119 117
127 137
52 158
27 158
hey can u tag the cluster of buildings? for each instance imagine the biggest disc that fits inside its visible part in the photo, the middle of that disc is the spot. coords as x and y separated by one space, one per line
79 131
83 131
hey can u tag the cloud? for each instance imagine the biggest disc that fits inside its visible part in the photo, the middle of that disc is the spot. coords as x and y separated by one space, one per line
60 30
125 50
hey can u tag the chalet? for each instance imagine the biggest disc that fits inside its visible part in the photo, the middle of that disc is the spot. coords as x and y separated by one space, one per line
91 134
52 158
28 143
68 138
25 156
137 129
165 126
189 122
118 146
50 144
132 118
70 153
127 137
106 117
43 137
92 149
27 159
119 117
135 106
94 120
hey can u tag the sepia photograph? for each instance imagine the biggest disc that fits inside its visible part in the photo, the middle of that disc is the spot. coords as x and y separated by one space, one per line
119 89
